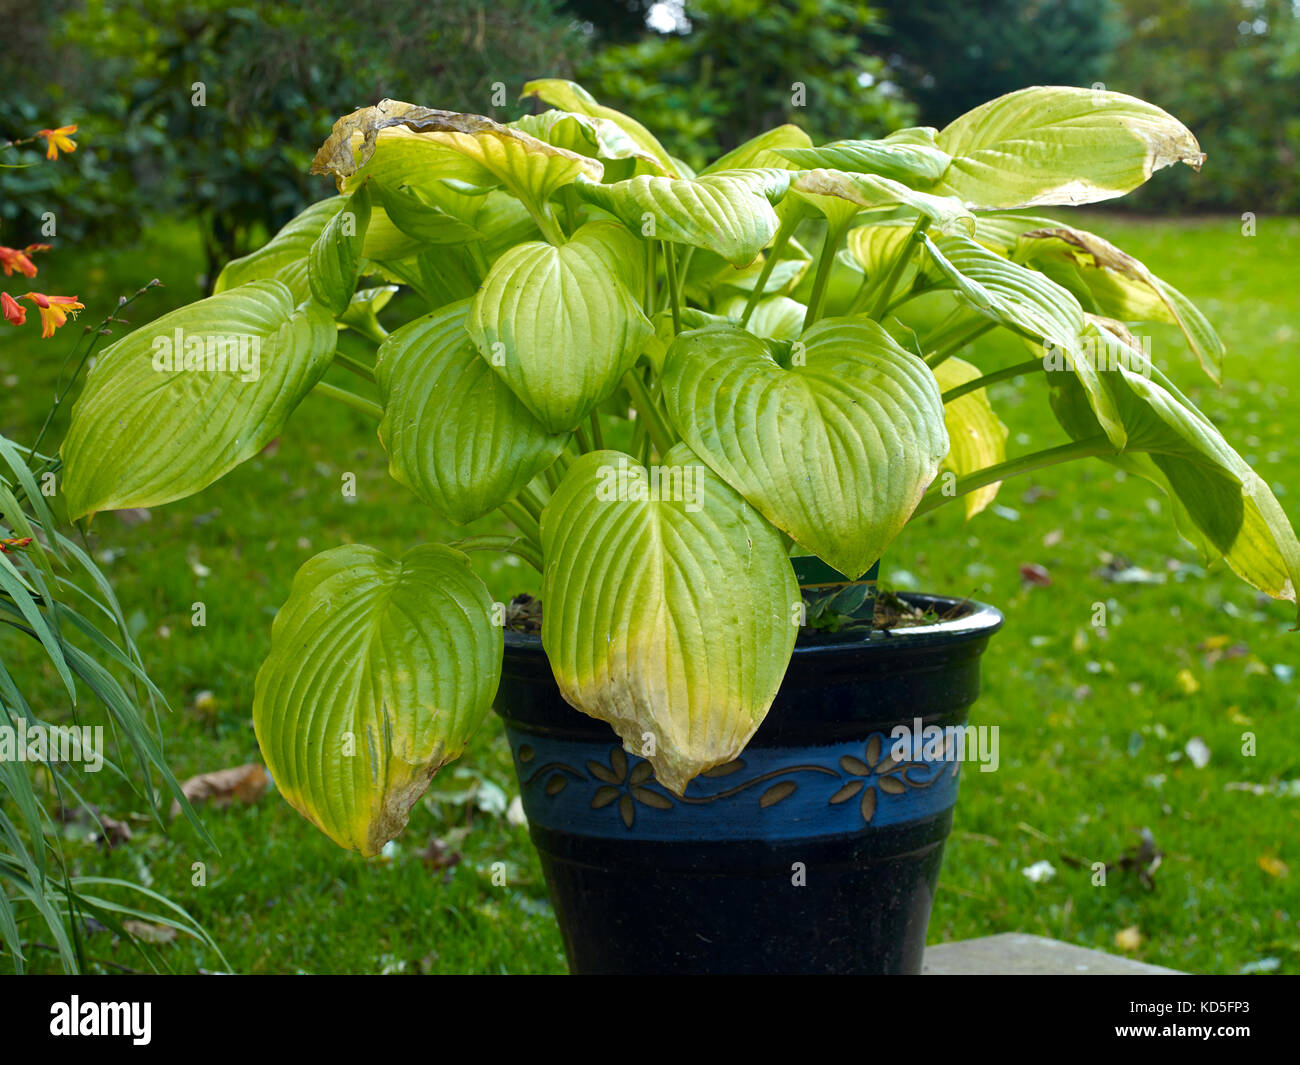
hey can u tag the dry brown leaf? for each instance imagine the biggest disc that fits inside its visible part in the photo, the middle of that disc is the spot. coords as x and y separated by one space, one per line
245 783
156 934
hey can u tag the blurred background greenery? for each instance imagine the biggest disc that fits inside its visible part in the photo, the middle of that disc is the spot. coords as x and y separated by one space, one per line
1098 729
705 75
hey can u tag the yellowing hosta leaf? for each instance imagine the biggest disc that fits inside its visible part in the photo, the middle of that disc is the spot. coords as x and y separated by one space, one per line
1220 504
669 608
335 260
1059 145
1028 302
589 135
976 436
837 450
840 196
398 144
379 672
729 213
910 156
177 403
455 433
762 151
1113 283
559 324
570 96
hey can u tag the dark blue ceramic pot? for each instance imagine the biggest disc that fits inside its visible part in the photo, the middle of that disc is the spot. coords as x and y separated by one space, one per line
817 851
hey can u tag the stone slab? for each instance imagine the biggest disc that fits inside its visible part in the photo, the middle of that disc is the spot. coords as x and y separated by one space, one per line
1017 954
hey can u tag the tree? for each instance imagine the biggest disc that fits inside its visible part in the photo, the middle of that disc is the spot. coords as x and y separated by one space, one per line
202 97
746 65
1231 70
952 55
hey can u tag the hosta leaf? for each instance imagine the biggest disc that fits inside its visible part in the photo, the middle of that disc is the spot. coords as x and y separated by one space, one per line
589 135
708 272
976 436
729 212
876 246
840 196
398 144
142 436
668 616
363 309
765 150
284 257
379 672
413 214
559 324
836 450
1028 302
1059 145
335 260
570 96
1113 283
455 433
910 156
1221 505
774 317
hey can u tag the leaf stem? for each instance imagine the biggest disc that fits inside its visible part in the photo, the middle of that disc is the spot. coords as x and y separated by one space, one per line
901 260
648 412
547 224
525 522
351 399
1077 449
515 545
674 293
825 263
975 384
783 234
958 342
366 373
531 500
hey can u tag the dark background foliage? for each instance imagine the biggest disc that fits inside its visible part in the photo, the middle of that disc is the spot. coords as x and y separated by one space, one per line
705 74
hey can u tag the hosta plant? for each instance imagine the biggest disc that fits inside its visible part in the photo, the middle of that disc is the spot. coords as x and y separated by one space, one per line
669 383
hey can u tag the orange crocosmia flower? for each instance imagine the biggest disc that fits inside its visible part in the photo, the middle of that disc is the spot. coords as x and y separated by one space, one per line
12 259
58 140
54 310
14 314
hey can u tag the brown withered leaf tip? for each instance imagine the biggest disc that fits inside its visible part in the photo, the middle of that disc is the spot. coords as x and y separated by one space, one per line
337 155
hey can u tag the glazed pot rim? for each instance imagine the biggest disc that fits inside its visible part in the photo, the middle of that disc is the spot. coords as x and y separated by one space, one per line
981 622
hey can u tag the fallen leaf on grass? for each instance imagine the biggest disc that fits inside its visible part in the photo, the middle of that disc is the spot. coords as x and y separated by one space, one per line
1273 865
245 783
437 855
1033 573
156 934
1128 939
1145 858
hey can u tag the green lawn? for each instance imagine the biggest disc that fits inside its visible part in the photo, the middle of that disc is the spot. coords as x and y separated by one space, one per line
1094 726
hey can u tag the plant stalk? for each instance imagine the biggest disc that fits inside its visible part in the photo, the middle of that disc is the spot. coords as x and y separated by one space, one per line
1089 447
351 399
